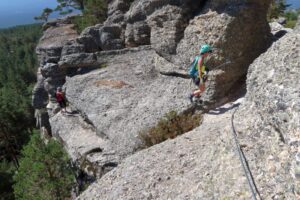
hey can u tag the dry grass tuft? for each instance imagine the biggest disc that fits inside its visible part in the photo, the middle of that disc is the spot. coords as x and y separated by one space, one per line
169 127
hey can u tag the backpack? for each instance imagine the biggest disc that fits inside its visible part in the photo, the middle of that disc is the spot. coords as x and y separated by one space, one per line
193 69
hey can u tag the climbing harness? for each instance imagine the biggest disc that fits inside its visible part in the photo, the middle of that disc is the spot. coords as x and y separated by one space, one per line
244 163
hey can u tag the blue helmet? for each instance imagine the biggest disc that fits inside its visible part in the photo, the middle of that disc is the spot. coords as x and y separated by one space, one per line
205 48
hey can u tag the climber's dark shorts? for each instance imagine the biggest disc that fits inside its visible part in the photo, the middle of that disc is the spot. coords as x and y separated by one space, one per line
62 104
197 80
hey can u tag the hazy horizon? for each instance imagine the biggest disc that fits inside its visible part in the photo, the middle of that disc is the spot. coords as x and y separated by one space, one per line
20 12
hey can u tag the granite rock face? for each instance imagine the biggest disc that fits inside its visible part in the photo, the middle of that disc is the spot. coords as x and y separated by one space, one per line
56 35
125 97
297 27
175 29
269 124
201 164
122 76
238 31
278 30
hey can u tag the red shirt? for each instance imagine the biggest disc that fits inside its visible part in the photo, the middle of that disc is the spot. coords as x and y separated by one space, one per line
59 96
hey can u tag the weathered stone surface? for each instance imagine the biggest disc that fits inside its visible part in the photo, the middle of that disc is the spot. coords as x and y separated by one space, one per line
39 94
53 40
86 149
51 84
201 164
52 70
278 30
269 122
297 27
117 5
238 33
110 38
166 19
57 34
137 34
78 60
90 38
126 97
72 47
140 9
130 94
167 28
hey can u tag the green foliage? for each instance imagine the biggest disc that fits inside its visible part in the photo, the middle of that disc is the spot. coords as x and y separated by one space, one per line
277 8
6 173
291 17
94 12
17 76
67 6
45 14
169 127
45 172
82 22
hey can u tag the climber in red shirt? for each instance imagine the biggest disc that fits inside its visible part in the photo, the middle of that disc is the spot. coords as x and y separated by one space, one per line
60 98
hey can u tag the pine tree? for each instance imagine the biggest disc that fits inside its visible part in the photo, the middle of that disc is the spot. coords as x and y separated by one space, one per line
45 172
45 14
67 6
277 8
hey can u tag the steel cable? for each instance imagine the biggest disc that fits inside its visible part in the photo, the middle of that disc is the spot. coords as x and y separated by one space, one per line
244 163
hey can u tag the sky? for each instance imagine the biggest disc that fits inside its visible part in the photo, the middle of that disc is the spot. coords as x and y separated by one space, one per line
295 3
17 12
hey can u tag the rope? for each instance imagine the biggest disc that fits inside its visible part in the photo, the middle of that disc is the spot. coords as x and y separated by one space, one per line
244 163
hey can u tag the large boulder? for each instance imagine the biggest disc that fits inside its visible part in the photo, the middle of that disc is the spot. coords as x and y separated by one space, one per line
39 94
53 40
162 21
237 30
268 122
137 34
111 37
167 28
278 30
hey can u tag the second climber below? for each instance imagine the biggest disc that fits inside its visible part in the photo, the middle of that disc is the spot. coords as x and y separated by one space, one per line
60 98
198 71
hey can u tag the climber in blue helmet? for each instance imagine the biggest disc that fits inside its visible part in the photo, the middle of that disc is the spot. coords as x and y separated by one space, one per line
198 71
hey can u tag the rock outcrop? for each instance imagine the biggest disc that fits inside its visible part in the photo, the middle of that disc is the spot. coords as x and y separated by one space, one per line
121 99
176 29
202 163
278 30
269 124
234 28
297 27
122 76
49 76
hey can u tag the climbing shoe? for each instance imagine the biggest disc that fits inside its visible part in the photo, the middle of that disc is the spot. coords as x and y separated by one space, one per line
191 98
198 100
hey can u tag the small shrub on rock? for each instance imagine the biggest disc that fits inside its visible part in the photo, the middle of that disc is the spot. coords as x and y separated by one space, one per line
169 127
